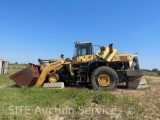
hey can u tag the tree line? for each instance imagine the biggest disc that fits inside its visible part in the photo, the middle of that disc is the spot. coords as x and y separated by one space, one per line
153 70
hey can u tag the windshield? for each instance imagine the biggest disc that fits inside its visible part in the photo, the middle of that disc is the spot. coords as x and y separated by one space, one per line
83 49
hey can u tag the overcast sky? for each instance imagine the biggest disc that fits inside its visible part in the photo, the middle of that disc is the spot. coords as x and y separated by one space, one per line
32 29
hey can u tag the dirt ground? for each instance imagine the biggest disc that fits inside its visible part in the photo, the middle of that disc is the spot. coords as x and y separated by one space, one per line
149 98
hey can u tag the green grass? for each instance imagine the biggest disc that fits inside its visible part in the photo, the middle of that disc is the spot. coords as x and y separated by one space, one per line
151 74
50 98
71 98
81 102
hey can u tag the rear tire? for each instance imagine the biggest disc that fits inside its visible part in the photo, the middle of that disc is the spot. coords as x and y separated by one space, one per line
109 78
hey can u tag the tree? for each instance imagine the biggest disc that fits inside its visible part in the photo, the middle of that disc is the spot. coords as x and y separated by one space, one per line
155 70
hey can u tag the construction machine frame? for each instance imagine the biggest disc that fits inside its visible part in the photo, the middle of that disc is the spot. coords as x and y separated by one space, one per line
102 69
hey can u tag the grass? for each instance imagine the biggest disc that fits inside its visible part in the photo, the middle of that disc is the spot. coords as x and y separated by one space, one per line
151 73
50 98
77 103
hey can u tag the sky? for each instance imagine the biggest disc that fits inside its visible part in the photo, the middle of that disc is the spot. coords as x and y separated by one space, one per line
32 29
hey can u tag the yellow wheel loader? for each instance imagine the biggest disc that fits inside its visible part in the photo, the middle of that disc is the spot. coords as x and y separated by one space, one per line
103 68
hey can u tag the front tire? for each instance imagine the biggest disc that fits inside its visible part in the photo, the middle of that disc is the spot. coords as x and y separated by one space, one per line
104 78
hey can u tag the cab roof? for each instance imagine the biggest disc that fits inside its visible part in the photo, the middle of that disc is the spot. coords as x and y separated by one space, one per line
83 43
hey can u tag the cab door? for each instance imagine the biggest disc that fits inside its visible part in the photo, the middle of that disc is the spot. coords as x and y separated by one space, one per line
83 53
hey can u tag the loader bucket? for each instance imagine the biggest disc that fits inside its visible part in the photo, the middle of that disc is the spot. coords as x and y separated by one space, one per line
27 76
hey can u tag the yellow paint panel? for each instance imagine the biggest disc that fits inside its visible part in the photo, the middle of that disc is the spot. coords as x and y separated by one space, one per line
74 60
85 58
111 55
106 55
82 59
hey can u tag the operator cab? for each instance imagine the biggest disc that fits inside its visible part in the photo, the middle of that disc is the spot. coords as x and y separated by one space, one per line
82 49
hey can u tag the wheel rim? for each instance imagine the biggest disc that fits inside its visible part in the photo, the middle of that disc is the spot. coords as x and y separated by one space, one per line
104 80
53 78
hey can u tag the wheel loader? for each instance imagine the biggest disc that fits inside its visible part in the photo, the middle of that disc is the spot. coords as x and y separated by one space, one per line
102 69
